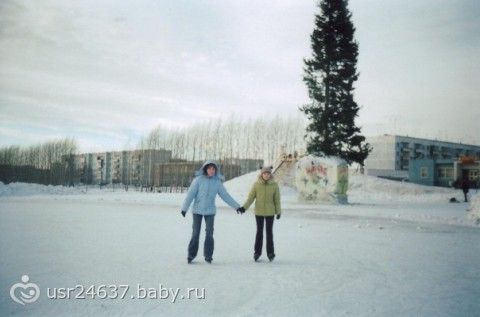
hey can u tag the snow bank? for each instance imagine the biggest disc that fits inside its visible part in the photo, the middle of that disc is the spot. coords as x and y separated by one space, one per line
242 183
474 210
45 193
362 188
240 186
370 188
28 189
369 197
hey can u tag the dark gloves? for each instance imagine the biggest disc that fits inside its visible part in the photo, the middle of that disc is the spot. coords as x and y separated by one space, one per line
183 213
240 210
278 216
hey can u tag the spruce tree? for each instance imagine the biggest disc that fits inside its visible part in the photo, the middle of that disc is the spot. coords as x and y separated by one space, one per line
329 75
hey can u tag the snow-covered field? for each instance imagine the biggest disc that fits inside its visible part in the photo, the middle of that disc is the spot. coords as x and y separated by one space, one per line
396 250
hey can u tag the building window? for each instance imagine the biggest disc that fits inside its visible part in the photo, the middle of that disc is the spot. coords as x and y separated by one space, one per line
473 175
423 172
449 172
445 172
441 172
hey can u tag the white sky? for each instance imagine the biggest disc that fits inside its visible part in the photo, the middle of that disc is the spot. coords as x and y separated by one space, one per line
107 72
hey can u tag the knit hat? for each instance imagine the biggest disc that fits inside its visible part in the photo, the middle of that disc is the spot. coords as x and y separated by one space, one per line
266 169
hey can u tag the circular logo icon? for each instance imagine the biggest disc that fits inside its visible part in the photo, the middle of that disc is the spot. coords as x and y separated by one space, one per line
24 292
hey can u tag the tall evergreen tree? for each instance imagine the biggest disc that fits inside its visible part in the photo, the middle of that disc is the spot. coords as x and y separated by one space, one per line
329 75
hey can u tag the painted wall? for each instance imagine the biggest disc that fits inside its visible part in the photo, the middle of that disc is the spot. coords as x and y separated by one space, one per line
416 167
433 177
321 179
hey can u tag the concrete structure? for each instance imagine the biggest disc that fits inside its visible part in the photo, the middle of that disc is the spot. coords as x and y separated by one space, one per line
391 154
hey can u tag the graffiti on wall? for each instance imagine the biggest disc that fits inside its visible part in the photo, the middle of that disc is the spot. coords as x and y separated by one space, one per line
321 179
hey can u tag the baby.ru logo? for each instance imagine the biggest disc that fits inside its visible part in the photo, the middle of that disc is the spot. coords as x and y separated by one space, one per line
28 292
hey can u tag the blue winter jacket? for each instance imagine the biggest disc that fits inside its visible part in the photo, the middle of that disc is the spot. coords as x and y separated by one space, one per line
204 190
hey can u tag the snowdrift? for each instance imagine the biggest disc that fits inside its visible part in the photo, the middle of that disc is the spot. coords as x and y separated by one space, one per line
361 188
474 210
240 186
29 189
370 188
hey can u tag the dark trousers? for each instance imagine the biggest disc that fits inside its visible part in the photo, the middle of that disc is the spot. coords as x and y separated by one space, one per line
465 192
208 245
259 237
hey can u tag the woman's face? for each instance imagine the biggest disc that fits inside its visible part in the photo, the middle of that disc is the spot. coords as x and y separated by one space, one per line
266 176
211 171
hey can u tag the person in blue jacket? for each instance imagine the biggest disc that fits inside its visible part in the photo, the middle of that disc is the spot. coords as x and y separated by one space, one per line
207 184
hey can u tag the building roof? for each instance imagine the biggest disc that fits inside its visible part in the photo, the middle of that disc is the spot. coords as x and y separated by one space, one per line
425 140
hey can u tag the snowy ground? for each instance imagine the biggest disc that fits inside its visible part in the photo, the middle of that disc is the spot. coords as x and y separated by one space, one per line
397 250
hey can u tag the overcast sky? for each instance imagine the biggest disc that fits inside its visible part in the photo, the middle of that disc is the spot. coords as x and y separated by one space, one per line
107 72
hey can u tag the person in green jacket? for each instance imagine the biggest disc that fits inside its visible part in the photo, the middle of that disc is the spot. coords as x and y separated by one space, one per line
266 194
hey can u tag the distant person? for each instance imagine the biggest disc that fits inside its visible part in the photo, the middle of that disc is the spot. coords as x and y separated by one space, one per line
465 185
266 194
203 191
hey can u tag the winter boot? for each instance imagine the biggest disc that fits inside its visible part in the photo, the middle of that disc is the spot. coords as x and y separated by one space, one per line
209 260
256 256
271 256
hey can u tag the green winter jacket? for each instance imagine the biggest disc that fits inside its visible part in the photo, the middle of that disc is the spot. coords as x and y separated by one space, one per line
266 196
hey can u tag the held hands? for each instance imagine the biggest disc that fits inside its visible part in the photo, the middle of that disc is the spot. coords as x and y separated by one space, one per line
183 212
240 210
278 216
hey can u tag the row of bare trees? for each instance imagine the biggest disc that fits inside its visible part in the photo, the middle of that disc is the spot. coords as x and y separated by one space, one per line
40 156
262 138
43 163
220 139
217 139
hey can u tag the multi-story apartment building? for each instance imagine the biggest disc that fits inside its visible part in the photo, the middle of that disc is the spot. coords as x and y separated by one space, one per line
423 161
127 167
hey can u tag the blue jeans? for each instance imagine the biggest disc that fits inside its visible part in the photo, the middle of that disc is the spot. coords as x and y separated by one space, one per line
208 245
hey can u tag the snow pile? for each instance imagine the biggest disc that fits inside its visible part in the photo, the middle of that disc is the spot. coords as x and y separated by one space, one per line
29 189
242 183
369 197
362 188
240 186
474 211
371 188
